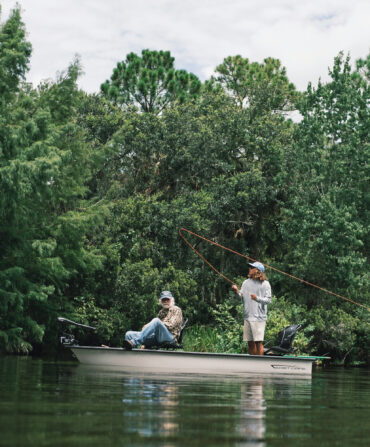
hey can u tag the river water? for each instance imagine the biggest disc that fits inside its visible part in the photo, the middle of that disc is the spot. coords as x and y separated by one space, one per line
44 403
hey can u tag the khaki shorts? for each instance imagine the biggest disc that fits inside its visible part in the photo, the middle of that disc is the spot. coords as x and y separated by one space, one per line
254 330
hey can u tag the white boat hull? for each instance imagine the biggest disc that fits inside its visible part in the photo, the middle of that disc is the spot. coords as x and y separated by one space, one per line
193 362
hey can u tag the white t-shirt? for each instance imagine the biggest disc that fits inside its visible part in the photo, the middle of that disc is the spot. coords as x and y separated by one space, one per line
255 310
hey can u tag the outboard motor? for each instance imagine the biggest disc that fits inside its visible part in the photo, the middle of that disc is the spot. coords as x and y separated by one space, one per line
67 339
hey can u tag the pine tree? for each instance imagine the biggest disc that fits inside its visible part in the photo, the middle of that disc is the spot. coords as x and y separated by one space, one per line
150 82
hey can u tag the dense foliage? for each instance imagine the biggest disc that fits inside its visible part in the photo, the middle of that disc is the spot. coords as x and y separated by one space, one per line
95 187
150 82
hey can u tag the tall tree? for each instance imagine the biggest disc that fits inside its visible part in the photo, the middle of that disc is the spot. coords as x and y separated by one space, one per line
150 82
327 215
261 87
45 164
15 54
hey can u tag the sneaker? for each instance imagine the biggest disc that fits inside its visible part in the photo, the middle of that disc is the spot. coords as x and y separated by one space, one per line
128 345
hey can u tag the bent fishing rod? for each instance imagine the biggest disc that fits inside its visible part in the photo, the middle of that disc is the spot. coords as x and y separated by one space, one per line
254 260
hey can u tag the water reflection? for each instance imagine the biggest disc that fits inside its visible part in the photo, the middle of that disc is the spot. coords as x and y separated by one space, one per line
58 404
252 409
144 399
226 410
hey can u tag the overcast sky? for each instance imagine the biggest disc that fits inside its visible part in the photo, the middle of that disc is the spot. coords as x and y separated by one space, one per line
304 34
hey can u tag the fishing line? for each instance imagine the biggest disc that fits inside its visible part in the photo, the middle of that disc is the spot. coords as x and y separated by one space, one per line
254 260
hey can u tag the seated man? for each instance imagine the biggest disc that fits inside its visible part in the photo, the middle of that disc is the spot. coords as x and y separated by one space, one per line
163 329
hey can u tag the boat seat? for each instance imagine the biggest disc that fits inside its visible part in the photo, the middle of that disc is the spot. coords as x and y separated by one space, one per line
175 345
284 340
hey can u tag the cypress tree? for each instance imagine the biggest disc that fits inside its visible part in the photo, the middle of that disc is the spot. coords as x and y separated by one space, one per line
45 165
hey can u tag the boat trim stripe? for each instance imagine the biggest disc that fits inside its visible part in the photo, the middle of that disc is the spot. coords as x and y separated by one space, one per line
205 354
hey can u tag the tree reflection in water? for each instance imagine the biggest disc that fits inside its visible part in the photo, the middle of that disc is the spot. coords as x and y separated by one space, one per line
58 404
203 410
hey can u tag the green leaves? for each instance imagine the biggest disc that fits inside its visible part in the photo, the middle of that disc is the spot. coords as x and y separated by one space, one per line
15 53
45 165
326 217
150 82
95 187
259 87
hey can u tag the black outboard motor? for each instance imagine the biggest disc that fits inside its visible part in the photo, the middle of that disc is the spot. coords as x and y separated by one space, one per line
284 341
69 339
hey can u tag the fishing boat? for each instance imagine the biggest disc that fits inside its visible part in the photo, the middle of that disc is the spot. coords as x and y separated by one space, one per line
179 361
194 362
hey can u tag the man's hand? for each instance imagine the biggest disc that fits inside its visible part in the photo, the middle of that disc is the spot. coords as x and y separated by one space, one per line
234 287
253 296
145 325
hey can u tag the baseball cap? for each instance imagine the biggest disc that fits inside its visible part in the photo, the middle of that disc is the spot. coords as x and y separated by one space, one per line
258 266
165 294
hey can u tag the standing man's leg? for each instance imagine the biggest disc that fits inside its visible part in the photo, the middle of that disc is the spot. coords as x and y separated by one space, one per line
257 329
248 337
252 349
259 348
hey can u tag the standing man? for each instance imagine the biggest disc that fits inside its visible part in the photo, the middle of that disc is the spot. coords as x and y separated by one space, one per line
165 328
256 295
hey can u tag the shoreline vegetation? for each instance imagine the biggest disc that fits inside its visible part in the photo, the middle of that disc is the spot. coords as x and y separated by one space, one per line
94 188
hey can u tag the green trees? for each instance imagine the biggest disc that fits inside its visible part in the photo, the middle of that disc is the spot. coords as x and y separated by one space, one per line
15 171
150 82
44 167
201 165
15 52
259 87
325 219
327 214
95 187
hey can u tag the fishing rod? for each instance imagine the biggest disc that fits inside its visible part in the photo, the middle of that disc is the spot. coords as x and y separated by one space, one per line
254 260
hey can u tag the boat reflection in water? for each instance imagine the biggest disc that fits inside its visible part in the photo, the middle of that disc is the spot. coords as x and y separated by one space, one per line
155 406
253 413
197 410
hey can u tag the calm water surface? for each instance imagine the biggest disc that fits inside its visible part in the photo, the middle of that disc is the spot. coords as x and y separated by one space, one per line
66 404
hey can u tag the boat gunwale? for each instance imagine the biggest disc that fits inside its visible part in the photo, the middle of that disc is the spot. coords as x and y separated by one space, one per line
203 354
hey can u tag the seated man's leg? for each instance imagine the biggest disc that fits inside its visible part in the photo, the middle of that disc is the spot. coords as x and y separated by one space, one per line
144 337
156 333
133 337
162 334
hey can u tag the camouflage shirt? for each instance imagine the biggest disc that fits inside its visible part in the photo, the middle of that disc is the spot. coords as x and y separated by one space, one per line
172 319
